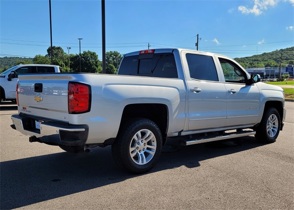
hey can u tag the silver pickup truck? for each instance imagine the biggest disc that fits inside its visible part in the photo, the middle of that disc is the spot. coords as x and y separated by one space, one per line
158 95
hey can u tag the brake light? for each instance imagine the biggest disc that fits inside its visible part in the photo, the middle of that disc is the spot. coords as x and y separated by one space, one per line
146 52
79 98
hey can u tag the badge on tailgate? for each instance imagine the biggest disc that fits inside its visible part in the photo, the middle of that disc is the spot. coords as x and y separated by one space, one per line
38 98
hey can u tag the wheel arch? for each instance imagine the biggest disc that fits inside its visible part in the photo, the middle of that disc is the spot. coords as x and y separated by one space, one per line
275 104
158 113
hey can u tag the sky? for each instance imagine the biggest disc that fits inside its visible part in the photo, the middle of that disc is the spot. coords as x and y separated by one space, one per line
236 28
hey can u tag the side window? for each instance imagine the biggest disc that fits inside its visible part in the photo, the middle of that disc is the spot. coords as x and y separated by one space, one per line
232 72
45 69
26 70
201 67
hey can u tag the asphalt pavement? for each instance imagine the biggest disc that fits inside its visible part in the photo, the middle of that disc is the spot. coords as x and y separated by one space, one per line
240 174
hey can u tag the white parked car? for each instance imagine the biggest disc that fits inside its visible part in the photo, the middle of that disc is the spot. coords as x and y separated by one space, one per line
8 78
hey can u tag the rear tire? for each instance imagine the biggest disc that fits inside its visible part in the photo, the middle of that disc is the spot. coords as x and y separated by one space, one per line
269 128
72 149
138 146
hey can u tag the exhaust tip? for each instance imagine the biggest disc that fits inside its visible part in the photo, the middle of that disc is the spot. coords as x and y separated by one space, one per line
13 126
33 139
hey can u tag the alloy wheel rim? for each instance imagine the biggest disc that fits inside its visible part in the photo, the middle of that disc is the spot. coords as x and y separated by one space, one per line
143 147
272 125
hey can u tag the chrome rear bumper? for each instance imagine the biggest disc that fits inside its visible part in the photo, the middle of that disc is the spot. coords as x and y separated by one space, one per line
50 132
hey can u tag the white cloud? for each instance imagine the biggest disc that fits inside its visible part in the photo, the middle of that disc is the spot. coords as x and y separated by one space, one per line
259 6
261 42
290 28
291 1
215 40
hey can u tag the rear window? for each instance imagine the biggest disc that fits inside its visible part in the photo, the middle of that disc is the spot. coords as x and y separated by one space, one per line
154 65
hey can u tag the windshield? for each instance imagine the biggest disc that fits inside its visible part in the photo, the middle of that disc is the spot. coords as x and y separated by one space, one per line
8 70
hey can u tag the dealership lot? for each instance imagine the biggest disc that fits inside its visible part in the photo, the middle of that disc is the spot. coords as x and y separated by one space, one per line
239 174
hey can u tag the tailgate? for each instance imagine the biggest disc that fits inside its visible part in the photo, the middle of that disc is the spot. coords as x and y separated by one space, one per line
44 95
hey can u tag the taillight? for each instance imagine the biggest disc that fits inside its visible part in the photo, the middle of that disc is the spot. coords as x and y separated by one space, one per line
79 98
17 91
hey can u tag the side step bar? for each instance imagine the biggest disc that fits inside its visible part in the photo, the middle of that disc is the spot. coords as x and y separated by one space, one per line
225 136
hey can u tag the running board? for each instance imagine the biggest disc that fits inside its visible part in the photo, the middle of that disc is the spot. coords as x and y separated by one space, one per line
220 138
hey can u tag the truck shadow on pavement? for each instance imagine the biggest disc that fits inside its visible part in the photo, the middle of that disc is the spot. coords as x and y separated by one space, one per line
42 178
8 106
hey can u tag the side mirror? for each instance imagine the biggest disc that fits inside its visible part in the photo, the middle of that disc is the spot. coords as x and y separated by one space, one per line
256 78
11 75
253 79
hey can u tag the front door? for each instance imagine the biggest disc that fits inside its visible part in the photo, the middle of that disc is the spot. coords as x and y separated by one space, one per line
242 99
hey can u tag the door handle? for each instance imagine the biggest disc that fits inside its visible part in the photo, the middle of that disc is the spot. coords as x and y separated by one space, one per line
232 91
196 90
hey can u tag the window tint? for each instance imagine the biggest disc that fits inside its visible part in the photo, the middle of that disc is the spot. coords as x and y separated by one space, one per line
157 65
232 72
26 70
201 67
129 66
45 69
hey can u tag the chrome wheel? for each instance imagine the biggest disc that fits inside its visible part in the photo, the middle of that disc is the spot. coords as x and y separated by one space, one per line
269 127
138 145
143 147
272 125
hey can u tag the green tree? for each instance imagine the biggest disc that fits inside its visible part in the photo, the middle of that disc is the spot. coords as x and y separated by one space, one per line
58 56
270 63
89 62
40 59
113 59
110 69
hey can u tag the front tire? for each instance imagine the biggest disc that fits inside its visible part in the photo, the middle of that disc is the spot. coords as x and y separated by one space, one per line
138 146
269 128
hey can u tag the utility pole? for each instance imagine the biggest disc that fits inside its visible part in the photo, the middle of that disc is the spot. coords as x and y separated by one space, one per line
50 18
149 46
197 42
103 37
80 39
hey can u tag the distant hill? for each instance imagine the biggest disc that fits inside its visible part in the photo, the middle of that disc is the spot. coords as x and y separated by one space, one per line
7 62
271 59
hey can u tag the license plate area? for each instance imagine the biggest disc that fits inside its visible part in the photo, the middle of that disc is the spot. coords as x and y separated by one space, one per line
32 125
37 125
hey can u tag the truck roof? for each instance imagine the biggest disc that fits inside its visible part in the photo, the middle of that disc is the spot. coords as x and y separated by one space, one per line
37 65
170 50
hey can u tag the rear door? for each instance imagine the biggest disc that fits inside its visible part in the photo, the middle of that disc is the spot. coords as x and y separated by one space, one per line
206 95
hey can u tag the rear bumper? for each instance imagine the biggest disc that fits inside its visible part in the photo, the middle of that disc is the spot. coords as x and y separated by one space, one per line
50 132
